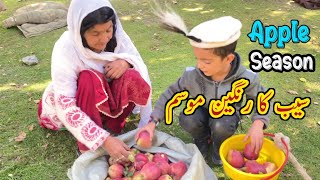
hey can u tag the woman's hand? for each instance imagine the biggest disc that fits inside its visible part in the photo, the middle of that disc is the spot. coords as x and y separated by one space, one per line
116 148
150 127
256 135
115 69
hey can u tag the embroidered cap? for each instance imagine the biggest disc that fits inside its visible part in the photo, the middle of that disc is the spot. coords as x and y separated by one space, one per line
215 33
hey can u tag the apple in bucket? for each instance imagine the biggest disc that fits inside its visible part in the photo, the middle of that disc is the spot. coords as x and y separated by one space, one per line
115 171
254 167
146 166
165 177
249 153
160 157
178 169
270 167
235 158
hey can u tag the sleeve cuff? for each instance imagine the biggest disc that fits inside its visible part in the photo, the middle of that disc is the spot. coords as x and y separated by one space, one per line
263 119
100 140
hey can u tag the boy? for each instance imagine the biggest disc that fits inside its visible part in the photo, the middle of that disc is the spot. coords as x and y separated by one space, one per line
218 66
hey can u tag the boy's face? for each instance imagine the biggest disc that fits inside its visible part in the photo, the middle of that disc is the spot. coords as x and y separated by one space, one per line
211 64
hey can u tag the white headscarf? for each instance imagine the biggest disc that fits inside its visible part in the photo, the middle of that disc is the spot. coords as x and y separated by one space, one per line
125 49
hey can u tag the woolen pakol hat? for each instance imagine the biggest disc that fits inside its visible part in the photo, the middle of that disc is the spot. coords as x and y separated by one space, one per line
214 33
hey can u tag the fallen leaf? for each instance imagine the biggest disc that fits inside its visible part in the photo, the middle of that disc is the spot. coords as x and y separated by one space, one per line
45 146
293 92
287 175
303 79
48 135
316 103
36 101
21 137
31 127
30 99
174 2
319 123
12 84
17 158
308 90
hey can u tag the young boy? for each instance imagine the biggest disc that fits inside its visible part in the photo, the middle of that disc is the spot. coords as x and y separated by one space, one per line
218 66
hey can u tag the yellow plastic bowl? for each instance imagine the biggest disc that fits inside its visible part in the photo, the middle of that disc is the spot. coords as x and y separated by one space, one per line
269 152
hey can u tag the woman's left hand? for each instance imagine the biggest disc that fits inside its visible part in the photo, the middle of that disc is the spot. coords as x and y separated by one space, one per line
256 135
115 69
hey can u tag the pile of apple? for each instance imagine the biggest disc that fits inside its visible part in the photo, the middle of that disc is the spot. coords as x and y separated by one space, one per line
144 165
246 161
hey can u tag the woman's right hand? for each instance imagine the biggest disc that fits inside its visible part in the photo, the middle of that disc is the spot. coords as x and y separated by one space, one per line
116 148
116 69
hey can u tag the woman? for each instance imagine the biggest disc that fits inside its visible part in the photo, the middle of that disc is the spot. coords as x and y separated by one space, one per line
98 77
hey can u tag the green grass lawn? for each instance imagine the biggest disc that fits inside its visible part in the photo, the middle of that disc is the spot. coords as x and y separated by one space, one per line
46 154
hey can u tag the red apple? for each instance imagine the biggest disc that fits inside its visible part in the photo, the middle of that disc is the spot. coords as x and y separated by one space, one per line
178 169
165 177
165 167
235 158
151 171
160 157
115 171
144 140
126 178
140 160
249 153
138 176
270 167
253 167
141 157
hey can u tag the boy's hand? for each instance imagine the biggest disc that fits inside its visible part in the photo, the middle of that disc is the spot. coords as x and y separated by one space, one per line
255 133
150 127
